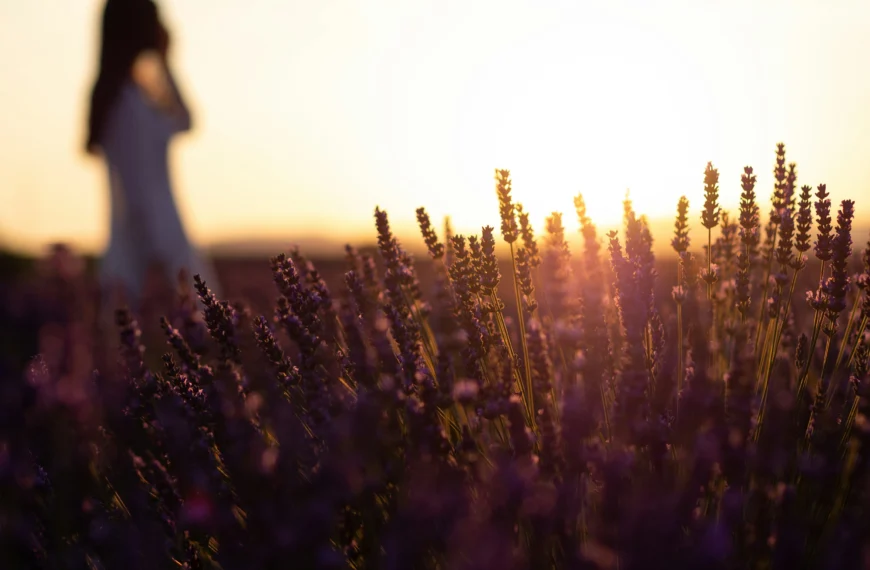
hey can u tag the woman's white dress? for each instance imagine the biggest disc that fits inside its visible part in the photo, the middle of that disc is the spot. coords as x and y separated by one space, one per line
145 224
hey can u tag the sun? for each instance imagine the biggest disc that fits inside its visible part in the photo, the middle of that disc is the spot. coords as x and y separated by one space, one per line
592 123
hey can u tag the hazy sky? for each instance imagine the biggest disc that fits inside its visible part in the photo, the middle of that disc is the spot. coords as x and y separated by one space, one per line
308 114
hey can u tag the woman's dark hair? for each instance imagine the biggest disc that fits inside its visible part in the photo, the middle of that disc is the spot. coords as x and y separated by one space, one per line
129 28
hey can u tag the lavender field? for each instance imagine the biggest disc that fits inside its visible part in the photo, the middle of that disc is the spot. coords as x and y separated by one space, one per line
541 407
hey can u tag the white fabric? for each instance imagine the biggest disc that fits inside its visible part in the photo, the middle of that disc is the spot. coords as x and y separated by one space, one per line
145 223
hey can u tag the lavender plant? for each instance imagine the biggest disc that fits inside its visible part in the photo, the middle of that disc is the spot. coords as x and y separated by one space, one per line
392 425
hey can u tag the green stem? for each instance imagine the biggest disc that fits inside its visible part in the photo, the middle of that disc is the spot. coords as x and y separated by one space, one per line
426 335
850 421
817 323
825 365
770 352
858 341
779 325
817 327
847 331
709 262
525 388
680 365
765 285
522 323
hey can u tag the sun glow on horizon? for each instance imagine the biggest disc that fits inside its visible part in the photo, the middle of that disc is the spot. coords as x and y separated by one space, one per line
559 135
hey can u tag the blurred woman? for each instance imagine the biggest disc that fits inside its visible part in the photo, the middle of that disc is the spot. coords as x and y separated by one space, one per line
136 109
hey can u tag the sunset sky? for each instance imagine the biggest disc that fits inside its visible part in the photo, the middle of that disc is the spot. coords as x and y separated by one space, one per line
309 114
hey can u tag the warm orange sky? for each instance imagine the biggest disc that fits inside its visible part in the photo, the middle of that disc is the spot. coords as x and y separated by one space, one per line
308 114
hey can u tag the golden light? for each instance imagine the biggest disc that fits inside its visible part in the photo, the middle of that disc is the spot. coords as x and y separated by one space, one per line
592 123
596 110
308 115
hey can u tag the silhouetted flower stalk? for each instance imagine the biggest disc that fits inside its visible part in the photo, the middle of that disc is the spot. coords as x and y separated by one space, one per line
526 285
801 244
749 238
724 291
749 215
219 319
804 222
632 226
297 312
312 286
836 287
710 219
591 246
489 280
631 411
860 383
680 242
739 409
543 397
594 355
187 317
834 291
646 276
142 381
402 307
506 206
786 259
790 182
823 225
528 235
684 294
560 307
435 247
298 301
556 263
779 203
189 358
817 299
726 245
463 280
780 198
863 283
358 353
591 362
784 253
784 256
365 305
287 373
448 242
510 233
